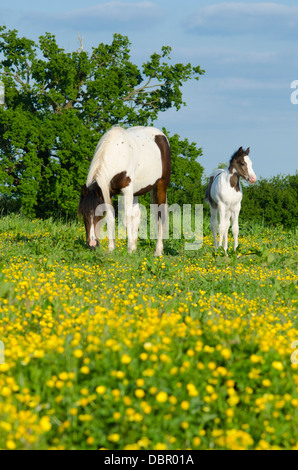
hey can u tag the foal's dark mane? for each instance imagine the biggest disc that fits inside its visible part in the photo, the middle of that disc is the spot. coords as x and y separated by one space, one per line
238 153
91 197
235 154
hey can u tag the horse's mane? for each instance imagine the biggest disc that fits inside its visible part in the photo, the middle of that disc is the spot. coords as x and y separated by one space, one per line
99 153
95 173
238 153
235 154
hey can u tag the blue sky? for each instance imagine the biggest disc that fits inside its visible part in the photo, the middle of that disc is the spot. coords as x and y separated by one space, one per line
247 48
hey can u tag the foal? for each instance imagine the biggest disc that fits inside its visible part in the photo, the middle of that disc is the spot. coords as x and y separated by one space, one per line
224 195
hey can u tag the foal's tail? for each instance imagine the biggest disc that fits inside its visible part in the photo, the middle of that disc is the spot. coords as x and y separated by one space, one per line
207 192
208 197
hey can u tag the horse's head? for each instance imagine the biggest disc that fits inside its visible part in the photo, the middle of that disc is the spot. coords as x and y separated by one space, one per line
91 198
241 164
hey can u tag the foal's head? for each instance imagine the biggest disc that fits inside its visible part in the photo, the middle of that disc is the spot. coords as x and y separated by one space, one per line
91 198
241 165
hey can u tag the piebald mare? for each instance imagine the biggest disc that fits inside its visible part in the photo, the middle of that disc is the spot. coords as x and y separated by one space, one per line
132 162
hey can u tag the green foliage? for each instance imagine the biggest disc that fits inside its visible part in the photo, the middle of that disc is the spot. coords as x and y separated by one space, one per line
58 104
185 186
272 201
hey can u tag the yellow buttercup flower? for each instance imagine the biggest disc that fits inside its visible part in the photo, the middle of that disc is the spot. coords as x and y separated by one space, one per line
277 365
10 444
184 405
125 359
45 424
226 353
101 389
139 393
161 397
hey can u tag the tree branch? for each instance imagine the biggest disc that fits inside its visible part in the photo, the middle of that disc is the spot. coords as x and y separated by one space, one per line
141 89
15 76
81 48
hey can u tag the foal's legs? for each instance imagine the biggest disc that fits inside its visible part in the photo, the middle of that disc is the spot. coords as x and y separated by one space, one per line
213 223
222 222
235 224
227 225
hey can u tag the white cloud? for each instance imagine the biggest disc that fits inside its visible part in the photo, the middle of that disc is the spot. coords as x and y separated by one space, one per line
106 16
228 56
246 84
232 18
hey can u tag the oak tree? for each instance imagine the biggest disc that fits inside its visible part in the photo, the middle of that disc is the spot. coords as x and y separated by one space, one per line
57 106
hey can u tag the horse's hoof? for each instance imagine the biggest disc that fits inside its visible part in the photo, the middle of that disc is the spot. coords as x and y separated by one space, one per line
157 253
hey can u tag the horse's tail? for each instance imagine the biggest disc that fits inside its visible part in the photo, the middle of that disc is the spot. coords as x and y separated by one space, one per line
208 197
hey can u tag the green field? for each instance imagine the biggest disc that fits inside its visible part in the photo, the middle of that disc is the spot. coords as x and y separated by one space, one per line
193 350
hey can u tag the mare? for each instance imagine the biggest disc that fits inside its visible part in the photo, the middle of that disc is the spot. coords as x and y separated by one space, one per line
132 162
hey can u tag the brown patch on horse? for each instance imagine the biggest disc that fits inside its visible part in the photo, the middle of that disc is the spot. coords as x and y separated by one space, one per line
208 193
118 182
234 181
146 189
161 184
165 151
159 192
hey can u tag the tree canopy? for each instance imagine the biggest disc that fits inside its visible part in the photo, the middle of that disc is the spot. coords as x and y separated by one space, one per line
58 104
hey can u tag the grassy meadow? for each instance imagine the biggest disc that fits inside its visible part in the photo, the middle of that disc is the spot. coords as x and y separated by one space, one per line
103 350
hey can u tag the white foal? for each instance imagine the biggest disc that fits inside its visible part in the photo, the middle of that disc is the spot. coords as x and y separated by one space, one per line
224 196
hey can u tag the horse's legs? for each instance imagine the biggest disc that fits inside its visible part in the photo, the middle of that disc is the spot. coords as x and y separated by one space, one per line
128 198
136 215
235 224
222 222
160 197
213 223
105 212
111 226
227 225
